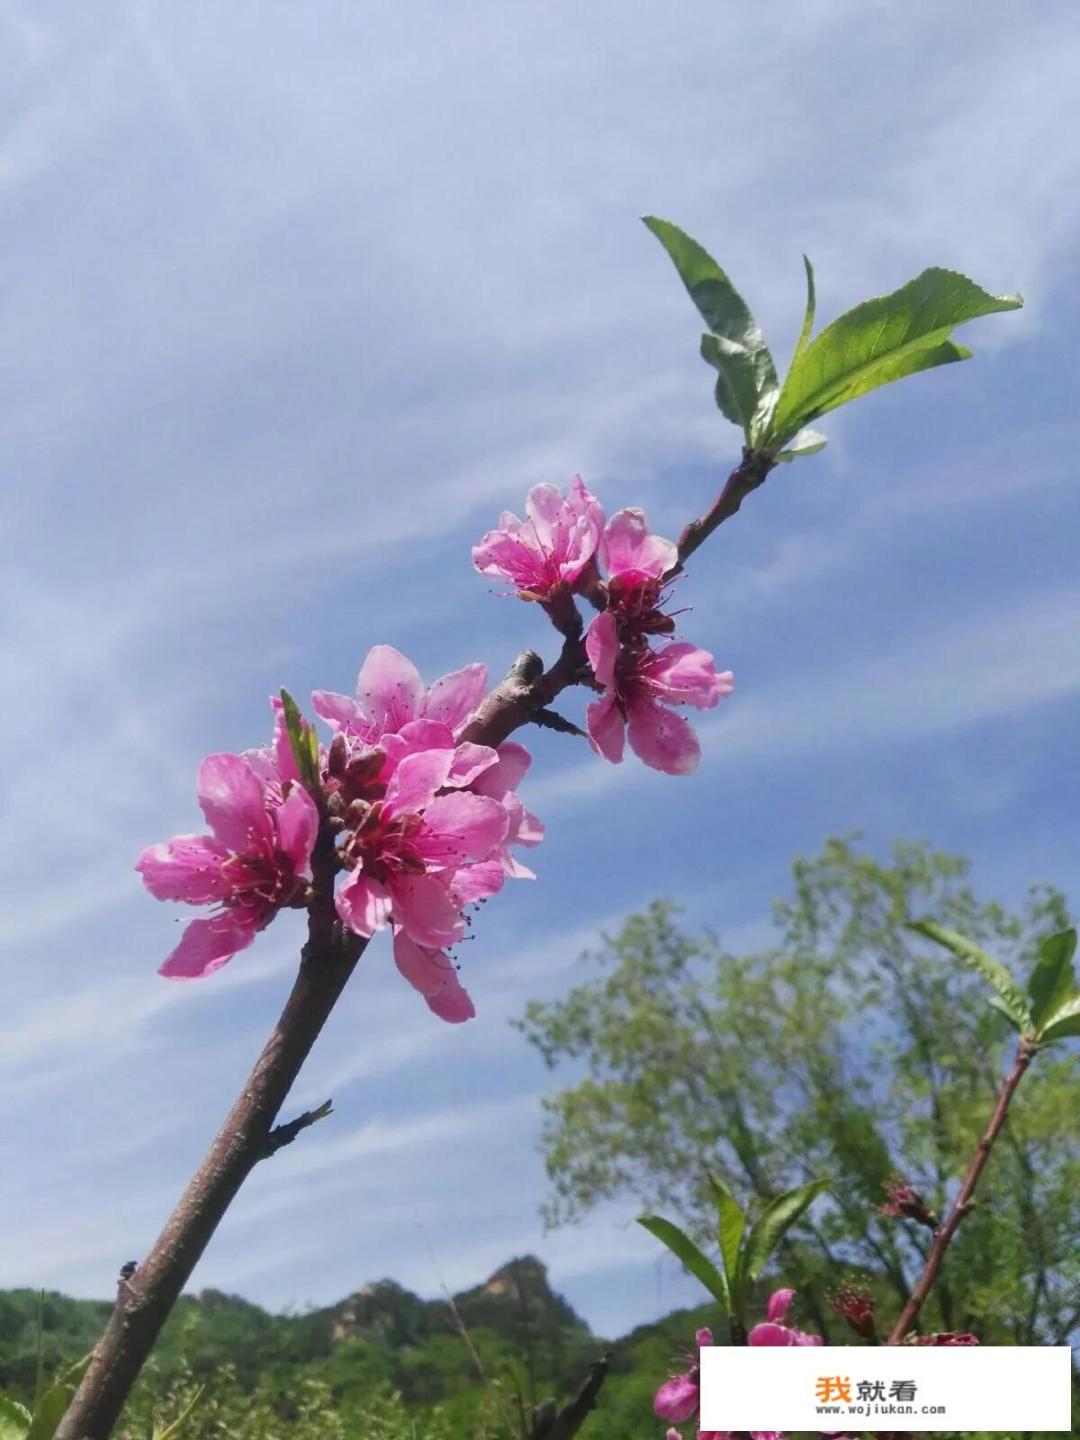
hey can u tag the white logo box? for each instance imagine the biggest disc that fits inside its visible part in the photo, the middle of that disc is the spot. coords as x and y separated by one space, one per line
1005 1388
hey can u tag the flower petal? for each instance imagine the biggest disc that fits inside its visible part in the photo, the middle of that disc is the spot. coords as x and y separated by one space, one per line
425 910
769 1334
415 781
453 698
477 882
512 763
684 675
471 762
232 799
298 825
602 647
452 1003
779 1304
628 548
363 904
206 945
661 738
606 728
677 1399
460 828
389 689
187 867
426 969
341 712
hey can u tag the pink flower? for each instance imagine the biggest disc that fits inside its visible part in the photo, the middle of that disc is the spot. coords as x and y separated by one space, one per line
390 696
499 781
772 1332
551 547
677 1399
947 1337
635 560
414 854
256 861
639 684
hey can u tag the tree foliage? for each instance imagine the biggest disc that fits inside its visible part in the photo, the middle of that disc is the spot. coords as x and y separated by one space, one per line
852 1048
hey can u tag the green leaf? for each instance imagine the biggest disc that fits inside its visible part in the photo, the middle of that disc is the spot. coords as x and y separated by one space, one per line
14 1419
774 1223
1064 1024
747 388
684 1249
49 1411
998 1004
806 442
881 340
808 318
736 380
730 1223
970 954
303 741
1052 981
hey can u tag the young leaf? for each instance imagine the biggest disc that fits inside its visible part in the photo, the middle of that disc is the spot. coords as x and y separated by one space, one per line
808 318
774 1223
747 386
1052 981
806 442
998 1004
303 742
684 1249
965 950
730 1223
1063 1024
14 1419
879 341
736 379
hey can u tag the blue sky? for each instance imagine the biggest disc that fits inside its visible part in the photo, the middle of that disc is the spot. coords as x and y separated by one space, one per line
295 300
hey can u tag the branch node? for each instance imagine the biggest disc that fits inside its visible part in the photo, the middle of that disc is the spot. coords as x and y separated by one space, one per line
283 1135
552 720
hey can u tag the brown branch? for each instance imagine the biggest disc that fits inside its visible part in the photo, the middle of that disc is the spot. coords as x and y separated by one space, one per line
144 1302
747 476
569 1420
965 1197
247 1136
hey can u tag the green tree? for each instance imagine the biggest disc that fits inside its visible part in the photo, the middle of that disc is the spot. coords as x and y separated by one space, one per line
852 1048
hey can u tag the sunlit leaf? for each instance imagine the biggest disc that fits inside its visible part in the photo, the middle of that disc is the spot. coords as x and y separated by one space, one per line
881 340
747 386
977 959
1052 981
774 1223
684 1249
806 442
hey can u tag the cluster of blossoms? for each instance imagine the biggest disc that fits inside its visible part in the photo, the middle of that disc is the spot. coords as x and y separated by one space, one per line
679 1397
559 550
423 827
424 822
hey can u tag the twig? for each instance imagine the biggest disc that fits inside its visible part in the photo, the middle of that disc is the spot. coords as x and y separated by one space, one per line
965 1196
573 1415
747 476
283 1135
144 1303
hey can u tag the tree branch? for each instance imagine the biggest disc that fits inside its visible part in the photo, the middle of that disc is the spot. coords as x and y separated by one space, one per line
247 1136
144 1302
569 1420
965 1196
